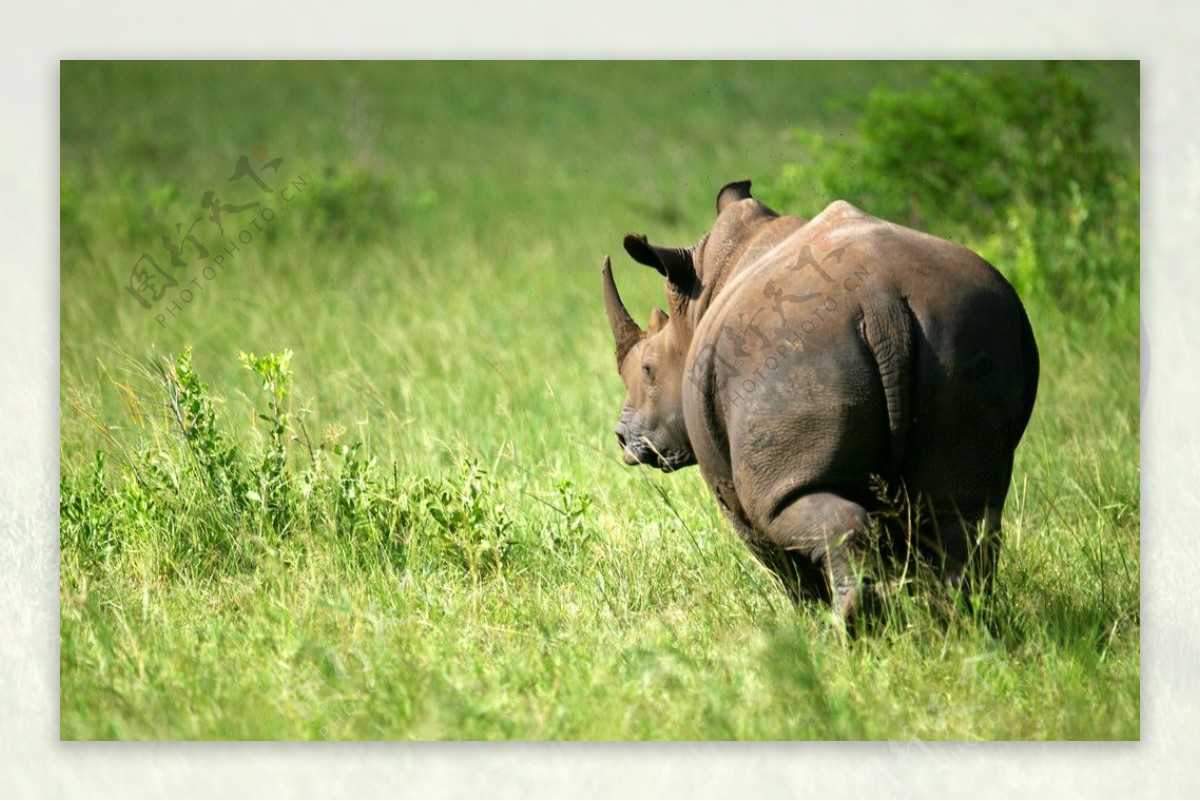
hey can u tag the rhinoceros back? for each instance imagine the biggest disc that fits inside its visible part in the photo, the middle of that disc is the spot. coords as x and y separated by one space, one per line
856 347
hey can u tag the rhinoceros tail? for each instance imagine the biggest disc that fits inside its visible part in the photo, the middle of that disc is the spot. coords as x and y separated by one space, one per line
887 327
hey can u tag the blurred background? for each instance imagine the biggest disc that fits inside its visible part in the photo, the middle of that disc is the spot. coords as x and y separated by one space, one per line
446 241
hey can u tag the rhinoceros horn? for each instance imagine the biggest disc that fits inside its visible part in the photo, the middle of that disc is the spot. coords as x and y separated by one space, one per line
625 330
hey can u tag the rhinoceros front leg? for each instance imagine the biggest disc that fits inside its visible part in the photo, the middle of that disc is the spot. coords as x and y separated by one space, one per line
830 533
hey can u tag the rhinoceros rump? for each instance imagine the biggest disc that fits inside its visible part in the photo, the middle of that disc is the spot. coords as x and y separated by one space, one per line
805 364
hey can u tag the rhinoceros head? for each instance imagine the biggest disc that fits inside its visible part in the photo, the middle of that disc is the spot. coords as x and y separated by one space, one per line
651 429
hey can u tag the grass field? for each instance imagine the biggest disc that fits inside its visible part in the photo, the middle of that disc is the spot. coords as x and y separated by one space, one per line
418 526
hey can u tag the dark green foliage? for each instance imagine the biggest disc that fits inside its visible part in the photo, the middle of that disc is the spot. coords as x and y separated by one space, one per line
1011 162
352 202
349 202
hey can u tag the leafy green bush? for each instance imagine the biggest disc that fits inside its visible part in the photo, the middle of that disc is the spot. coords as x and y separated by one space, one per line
371 515
1011 163
198 500
86 514
569 532
351 202
275 485
474 527
217 456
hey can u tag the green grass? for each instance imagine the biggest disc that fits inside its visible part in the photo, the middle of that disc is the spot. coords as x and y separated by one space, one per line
430 534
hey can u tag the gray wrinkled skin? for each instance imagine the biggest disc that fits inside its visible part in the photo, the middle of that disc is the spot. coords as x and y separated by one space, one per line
804 361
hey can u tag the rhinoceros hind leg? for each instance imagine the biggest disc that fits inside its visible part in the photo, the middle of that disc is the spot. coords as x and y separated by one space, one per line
830 533
969 552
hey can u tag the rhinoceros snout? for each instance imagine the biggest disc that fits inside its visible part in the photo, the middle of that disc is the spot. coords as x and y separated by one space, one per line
627 453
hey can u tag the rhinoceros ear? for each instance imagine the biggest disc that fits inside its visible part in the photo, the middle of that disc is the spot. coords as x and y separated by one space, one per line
658 318
738 190
674 263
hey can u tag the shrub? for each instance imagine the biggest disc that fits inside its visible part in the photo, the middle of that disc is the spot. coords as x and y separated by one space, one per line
351 202
475 529
200 501
1010 163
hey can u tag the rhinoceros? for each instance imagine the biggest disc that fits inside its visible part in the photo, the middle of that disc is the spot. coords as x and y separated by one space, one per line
817 370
